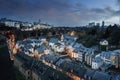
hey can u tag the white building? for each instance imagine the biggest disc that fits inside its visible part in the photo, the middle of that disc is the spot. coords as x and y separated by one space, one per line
106 57
26 24
10 23
97 63
52 42
60 48
41 26
104 42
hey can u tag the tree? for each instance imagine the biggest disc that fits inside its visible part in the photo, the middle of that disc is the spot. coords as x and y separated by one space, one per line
115 37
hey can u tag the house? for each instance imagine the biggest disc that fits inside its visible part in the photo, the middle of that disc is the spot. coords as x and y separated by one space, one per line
40 51
42 39
26 24
89 55
18 44
116 77
69 50
102 61
104 45
10 23
30 48
104 42
41 25
28 45
23 63
69 43
105 66
36 42
27 49
101 76
34 69
116 58
78 55
69 40
40 71
89 74
97 63
75 71
50 59
67 37
106 57
52 41
58 47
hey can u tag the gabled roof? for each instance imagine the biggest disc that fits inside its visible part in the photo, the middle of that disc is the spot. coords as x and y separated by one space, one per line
117 51
103 42
90 72
39 68
55 75
76 45
105 66
46 72
23 57
101 76
73 68
69 42
41 49
53 40
50 58
29 46
97 60
116 77
107 55
69 36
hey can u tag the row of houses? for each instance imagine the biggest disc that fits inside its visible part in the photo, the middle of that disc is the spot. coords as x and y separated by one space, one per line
104 60
48 51
34 69
77 50
23 25
68 45
14 23
54 67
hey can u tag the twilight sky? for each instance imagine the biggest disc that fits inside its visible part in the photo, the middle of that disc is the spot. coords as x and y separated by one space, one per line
61 12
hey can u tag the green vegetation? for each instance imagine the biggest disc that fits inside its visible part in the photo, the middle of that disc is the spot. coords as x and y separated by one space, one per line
94 34
88 40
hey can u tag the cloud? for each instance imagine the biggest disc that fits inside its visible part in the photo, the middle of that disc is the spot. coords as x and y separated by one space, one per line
56 12
117 13
29 5
118 1
112 20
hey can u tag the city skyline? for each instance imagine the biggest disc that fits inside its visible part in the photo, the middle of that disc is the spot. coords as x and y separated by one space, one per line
62 13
